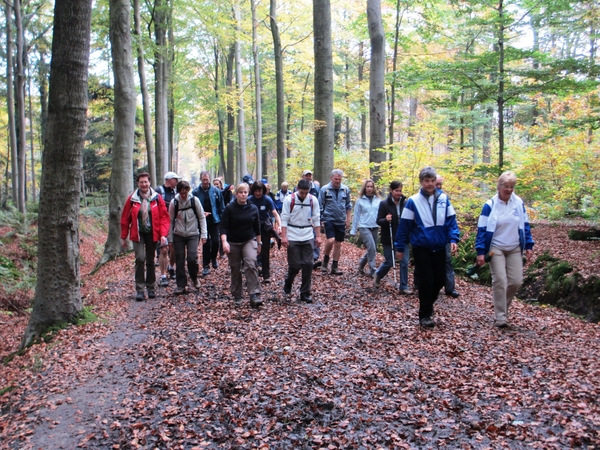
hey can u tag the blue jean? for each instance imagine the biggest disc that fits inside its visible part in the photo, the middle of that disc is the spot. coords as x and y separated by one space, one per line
388 263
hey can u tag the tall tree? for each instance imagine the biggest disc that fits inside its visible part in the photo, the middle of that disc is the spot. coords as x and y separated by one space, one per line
257 91
58 297
20 116
161 116
324 125
280 98
121 179
377 117
10 103
241 166
145 94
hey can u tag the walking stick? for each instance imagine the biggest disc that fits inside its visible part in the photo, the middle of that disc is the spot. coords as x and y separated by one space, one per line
393 255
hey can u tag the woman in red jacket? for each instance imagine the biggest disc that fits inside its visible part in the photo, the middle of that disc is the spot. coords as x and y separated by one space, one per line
146 220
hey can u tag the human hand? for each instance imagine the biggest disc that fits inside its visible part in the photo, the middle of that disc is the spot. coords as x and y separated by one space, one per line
225 246
388 217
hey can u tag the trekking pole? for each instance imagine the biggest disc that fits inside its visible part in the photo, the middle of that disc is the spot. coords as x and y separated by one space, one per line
393 255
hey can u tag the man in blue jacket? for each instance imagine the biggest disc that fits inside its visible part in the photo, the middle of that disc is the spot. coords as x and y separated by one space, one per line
212 202
428 222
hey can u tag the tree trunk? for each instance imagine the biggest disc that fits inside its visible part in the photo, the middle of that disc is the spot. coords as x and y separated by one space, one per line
241 126
31 140
172 139
323 141
160 91
231 170
257 91
58 297
145 95
20 117
394 69
121 179
220 119
10 103
486 138
280 96
500 99
377 115
363 116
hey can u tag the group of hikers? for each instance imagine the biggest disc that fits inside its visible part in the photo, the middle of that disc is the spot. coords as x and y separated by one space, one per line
246 220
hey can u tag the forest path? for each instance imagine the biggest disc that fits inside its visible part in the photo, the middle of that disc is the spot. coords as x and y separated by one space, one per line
351 370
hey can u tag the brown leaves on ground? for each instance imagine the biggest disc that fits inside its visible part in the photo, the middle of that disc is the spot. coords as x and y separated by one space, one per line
352 370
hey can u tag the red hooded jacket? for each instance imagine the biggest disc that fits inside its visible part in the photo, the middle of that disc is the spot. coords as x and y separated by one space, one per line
158 210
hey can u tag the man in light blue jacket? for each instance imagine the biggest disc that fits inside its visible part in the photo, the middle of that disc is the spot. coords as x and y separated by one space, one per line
428 222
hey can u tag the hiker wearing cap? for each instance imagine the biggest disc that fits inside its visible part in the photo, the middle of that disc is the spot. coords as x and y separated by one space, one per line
212 202
145 221
336 207
166 253
313 190
300 218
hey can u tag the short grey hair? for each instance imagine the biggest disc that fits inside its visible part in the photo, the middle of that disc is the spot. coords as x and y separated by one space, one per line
203 173
506 177
427 172
338 172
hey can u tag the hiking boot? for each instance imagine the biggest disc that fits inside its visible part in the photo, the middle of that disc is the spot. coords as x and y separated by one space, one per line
180 290
317 264
306 298
324 268
267 280
196 283
361 265
371 273
376 281
151 294
140 297
164 281
205 271
287 287
237 301
426 322
172 275
500 324
406 291
335 270
255 300
453 294
215 264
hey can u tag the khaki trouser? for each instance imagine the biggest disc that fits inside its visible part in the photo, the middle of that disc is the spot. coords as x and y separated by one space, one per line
507 276
242 257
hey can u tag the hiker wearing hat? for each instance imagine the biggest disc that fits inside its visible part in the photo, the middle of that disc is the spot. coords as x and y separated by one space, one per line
166 256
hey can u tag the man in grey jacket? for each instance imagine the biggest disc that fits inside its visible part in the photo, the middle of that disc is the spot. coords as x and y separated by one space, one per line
336 207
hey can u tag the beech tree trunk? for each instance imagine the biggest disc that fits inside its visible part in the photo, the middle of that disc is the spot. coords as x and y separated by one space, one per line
280 95
323 141
20 117
58 297
160 91
145 94
121 177
257 92
10 103
377 116
231 170
241 125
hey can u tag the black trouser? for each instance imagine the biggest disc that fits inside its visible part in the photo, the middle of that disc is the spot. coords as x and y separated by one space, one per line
181 245
144 262
265 252
210 249
432 277
300 257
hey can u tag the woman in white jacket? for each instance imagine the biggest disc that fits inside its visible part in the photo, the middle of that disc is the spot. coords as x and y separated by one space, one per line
188 225
365 220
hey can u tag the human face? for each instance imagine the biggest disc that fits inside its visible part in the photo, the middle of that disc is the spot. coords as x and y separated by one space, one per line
439 182
505 190
172 183
308 176
217 184
336 181
184 194
302 193
257 193
205 181
242 196
369 189
397 194
143 184
428 185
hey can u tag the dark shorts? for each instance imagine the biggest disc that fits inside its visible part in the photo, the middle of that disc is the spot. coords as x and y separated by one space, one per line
337 231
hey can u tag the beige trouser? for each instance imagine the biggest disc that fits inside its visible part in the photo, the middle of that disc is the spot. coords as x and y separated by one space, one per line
507 276
242 257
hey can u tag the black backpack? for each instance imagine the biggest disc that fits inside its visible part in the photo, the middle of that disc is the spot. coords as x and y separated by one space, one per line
192 207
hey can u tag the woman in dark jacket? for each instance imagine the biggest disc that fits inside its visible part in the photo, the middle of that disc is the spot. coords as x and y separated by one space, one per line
240 238
387 218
